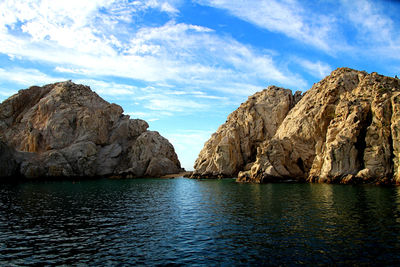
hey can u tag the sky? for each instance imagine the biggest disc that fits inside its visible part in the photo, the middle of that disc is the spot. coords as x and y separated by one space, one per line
184 66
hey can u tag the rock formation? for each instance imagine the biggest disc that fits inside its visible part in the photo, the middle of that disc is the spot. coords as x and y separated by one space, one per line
345 129
234 146
67 130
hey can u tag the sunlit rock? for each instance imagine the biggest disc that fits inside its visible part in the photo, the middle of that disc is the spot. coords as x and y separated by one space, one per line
69 130
233 147
345 129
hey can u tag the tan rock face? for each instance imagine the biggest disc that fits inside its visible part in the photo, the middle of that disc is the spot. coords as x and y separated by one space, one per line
153 155
71 131
343 136
395 131
234 146
345 129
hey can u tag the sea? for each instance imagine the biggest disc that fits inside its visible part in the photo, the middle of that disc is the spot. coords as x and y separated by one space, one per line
187 222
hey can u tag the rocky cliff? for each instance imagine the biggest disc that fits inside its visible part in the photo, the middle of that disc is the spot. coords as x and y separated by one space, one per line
233 147
65 129
345 129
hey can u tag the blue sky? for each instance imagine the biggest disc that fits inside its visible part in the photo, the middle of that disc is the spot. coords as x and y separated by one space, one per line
183 66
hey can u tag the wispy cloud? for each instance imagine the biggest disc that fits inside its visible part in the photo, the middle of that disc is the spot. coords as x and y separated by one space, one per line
109 88
211 97
376 31
149 115
71 70
288 17
22 78
316 68
172 104
27 77
360 26
370 20
5 93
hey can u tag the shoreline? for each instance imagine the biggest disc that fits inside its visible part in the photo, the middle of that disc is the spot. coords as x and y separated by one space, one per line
176 175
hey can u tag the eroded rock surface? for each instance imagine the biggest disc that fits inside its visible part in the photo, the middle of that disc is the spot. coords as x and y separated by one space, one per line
67 130
234 146
344 130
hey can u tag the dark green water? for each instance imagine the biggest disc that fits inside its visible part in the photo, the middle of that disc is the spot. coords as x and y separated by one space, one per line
183 221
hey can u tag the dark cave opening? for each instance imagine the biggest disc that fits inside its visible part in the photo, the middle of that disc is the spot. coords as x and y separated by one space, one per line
361 144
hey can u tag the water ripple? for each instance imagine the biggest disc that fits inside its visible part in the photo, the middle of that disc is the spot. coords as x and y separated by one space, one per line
190 222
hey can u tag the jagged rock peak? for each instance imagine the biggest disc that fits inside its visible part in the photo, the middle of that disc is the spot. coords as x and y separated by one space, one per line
66 129
234 146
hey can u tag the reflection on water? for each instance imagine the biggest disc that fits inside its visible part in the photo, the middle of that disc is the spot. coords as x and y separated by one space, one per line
185 221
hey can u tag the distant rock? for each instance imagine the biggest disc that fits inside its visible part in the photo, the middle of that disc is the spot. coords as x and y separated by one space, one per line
345 129
67 130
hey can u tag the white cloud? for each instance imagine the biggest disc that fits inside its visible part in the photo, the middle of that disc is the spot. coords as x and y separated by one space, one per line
85 26
212 97
159 102
167 7
95 40
177 93
137 114
361 27
162 5
149 115
376 31
369 20
71 70
108 88
315 68
5 93
27 77
22 77
288 17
